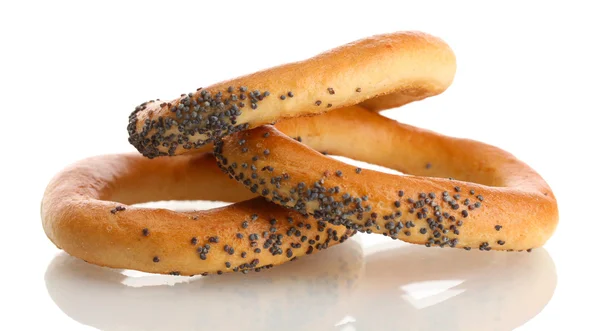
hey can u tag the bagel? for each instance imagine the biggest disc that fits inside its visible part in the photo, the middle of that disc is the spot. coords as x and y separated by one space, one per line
379 72
457 192
86 212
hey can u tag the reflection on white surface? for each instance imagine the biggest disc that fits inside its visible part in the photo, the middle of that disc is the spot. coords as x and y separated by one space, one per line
418 288
305 294
392 286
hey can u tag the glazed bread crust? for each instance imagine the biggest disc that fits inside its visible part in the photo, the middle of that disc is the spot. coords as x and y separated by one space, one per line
86 212
379 72
458 192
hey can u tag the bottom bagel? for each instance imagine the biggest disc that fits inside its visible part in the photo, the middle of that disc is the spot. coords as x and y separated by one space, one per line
86 212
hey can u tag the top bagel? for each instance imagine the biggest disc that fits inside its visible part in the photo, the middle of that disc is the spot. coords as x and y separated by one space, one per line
378 72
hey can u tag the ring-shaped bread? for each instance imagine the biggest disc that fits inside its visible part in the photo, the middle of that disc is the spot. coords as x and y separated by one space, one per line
87 212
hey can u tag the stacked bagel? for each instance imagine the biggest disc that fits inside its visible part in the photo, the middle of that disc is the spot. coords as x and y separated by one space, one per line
257 141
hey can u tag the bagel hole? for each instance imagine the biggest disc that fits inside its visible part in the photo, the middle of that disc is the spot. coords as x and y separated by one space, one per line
182 205
365 165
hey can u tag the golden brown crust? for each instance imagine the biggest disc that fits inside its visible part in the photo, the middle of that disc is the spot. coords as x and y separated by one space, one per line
86 212
494 201
379 72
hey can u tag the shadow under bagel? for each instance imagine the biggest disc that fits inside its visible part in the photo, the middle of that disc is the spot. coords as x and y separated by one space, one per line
392 286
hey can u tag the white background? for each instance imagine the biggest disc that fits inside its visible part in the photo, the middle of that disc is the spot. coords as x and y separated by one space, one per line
527 81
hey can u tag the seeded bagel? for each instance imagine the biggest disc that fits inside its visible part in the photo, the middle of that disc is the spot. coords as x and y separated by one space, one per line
459 192
379 72
86 212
